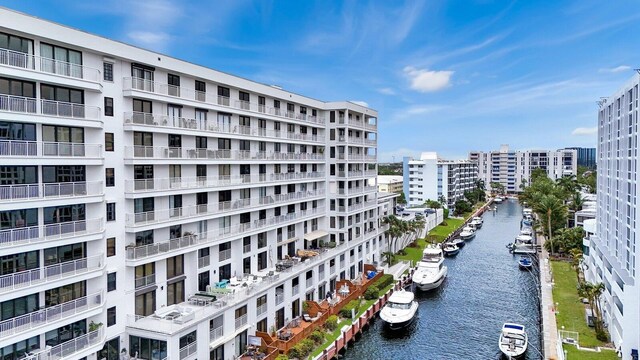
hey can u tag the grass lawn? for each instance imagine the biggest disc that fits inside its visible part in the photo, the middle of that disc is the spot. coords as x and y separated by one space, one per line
571 312
440 232
573 354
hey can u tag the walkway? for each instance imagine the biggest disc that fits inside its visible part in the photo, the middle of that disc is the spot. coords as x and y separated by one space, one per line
549 325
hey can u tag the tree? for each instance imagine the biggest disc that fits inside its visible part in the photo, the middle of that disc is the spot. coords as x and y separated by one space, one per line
577 260
497 188
461 207
553 211
566 239
432 204
568 184
402 199
538 173
592 293
576 202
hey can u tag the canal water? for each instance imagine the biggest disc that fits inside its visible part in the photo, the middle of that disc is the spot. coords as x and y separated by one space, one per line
463 318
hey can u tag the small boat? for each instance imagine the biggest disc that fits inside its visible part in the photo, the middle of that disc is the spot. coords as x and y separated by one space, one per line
400 310
526 231
458 242
525 263
522 245
467 233
431 271
478 221
450 249
527 212
513 340
497 200
528 220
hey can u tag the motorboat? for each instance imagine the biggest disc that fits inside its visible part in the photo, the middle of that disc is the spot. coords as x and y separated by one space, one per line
458 242
522 245
497 200
528 220
478 221
513 340
525 263
450 249
467 233
527 212
431 271
526 231
400 310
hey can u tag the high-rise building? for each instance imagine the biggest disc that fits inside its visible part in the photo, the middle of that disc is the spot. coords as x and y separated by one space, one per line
610 250
132 181
513 168
586 156
433 178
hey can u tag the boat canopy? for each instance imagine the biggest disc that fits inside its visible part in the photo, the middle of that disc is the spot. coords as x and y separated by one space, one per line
524 238
513 328
401 297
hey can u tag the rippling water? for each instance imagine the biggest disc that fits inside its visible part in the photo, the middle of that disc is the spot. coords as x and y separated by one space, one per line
463 318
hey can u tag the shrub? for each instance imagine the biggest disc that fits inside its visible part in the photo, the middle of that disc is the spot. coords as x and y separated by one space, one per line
384 281
372 293
282 357
352 305
402 252
445 213
332 323
295 352
317 336
602 335
306 346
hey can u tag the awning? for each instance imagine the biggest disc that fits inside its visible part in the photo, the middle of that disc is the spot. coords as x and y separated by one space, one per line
314 235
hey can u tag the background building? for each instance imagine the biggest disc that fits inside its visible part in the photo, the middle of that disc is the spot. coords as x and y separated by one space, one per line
432 178
132 181
611 248
586 156
513 168
390 183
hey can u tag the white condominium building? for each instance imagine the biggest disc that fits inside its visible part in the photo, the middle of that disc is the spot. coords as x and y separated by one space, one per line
513 168
432 178
132 181
611 251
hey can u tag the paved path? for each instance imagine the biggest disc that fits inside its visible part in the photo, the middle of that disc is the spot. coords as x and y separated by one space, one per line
549 325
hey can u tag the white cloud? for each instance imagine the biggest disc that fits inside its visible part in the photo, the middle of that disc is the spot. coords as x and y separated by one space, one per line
616 69
424 80
415 111
583 131
397 155
153 40
387 91
361 103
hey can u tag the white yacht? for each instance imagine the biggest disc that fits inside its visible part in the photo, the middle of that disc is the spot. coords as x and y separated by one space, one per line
467 233
513 340
497 200
431 271
523 245
477 221
526 231
400 310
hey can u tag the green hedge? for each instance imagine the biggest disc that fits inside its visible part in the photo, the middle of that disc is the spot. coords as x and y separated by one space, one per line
384 281
371 293
346 310
332 323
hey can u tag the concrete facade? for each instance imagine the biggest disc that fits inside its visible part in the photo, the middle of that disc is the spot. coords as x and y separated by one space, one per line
390 183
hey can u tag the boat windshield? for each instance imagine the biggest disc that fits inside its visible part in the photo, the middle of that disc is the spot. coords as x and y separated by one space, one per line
433 258
393 305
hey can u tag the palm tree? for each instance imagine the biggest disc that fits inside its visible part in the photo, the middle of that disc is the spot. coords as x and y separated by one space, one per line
577 260
592 293
576 201
568 184
550 208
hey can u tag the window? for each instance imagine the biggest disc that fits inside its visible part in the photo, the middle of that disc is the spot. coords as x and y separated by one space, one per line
18 88
111 211
175 292
146 304
108 106
107 71
174 85
66 61
175 266
111 316
111 247
108 142
110 350
111 281
62 94
142 106
147 348
187 340
203 281
16 43
110 177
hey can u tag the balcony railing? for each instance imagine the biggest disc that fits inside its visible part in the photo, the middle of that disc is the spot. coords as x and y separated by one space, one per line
41 233
144 281
53 314
261 309
47 65
159 216
29 105
54 149
163 152
202 261
295 290
241 321
50 190
224 255
309 283
217 333
279 298
246 248
18 104
46 274
68 349
133 83
164 184
188 350
139 118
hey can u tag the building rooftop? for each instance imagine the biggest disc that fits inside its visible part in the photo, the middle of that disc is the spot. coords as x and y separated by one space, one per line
388 179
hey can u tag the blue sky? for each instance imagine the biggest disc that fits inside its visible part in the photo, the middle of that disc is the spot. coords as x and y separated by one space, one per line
446 76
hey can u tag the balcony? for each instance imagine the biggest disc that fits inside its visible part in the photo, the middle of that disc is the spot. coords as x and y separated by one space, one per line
49 66
199 183
246 248
295 290
163 152
51 315
212 126
166 215
261 310
241 321
202 262
138 84
188 350
42 233
215 334
51 273
50 190
49 149
145 281
90 342
27 105
279 298
309 283
224 255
